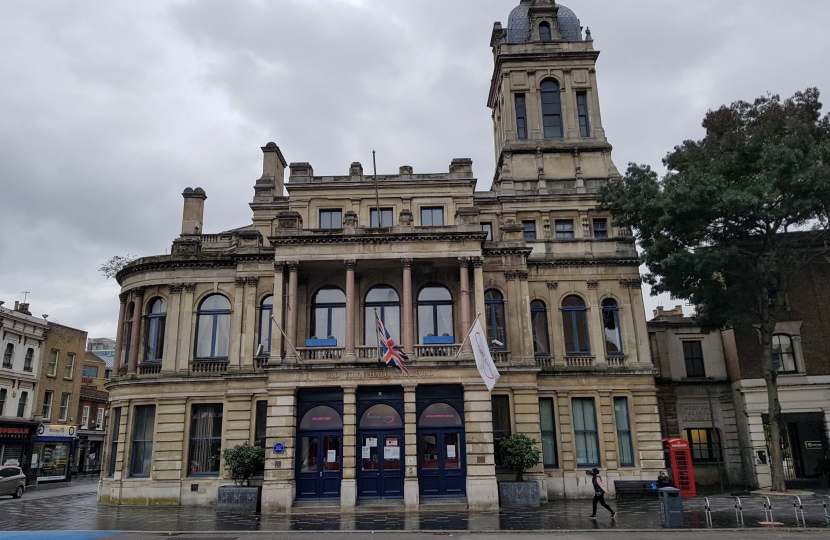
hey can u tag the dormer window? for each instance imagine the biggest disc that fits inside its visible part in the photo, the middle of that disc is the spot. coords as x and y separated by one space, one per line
544 32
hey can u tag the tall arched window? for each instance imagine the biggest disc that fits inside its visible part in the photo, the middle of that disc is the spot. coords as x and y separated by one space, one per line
30 357
611 326
575 323
154 340
328 315
387 303
265 326
783 354
128 331
7 356
213 328
435 322
551 109
539 324
544 32
494 315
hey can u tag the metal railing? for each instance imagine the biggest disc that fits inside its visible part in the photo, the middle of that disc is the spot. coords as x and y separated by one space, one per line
707 508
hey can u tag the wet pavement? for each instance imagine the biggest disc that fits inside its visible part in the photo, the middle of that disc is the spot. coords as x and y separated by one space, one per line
70 510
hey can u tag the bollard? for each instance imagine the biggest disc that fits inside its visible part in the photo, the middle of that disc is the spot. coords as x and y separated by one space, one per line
799 509
768 511
708 509
739 511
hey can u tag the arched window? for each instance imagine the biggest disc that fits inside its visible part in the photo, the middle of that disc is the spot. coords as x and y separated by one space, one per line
539 324
440 415
611 327
7 356
154 340
551 109
30 357
128 331
321 418
387 303
575 323
328 315
265 326
494 315
544 32
381 416
435 315
213 328
783 354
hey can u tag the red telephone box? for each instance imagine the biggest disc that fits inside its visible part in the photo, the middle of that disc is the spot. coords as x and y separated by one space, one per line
678 457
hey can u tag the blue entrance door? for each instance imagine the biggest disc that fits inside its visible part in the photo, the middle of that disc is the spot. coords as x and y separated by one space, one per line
442 467
320 454
380 453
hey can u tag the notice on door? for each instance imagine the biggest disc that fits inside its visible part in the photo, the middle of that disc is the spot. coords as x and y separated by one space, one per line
367 452
391 452
450 451
331 456
372 442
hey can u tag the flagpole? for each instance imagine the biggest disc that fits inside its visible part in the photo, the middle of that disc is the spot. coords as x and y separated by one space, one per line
377 196
287 339
377 331
470 331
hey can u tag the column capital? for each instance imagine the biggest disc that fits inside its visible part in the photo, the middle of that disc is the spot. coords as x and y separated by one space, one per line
190 288
123 298
240 281
523 275
593 284
478 262
138 292
464 262
407 263
510 275
350 264
553 285
253 281
175 288
293 266
279 266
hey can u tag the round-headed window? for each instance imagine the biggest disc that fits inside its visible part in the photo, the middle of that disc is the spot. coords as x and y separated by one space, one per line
381 416
440 415
321 418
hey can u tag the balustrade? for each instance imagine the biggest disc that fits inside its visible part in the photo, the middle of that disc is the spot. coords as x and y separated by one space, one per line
580 361
149 369
437 351
260 362
209 367
320 353
544 361
367 353
500 357
616 361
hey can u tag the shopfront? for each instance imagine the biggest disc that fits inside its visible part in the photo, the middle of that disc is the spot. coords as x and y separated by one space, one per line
805 449
52 455
380 439
442 467
16 441
320 444
89 451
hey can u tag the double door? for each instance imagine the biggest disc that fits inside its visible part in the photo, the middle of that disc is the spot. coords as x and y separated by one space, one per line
381 468
319 465
441 466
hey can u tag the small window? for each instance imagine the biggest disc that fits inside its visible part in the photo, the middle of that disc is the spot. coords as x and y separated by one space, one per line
488 228
601 228
63 412
611 327
8 355
3 394
530 230
386 303
99 419
53 363
693 353
783 354
582 110
205 440
142 451
91 371
30 357
21 405
550 458
69 369
539 324
331 219
551 109
624 439
544 32
564 229
585 431
521 116
265 325
47 405
501 424
432 217
704 443
85 418
386 217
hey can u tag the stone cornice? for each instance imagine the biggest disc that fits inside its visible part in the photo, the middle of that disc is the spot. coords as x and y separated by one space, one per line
584 262
377 239
169 264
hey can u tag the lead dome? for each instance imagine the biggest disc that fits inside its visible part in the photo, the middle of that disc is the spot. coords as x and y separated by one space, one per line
518 25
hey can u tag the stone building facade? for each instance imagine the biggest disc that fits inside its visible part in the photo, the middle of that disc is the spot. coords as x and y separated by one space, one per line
201 367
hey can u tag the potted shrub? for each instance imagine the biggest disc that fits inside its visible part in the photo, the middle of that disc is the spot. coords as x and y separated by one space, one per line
519 454
242 462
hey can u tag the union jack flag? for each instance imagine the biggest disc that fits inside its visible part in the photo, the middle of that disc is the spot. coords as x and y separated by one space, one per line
392 354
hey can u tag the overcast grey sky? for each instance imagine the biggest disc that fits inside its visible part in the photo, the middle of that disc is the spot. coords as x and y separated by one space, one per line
109 109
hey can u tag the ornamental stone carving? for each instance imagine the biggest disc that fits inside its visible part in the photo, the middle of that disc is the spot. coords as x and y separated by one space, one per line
190 288
138 292
631 283
240 281
593 284
293 266
478 262
510 275
350 264
252 281
123 297
406 263
279 266
522 274
176 288
464 262
553 285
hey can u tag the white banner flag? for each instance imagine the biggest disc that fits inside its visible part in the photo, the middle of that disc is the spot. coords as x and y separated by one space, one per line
484 362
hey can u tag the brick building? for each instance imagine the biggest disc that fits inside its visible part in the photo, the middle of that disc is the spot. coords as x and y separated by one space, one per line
92 411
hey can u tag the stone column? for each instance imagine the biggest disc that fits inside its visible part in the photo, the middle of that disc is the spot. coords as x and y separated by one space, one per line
526 401
186 337
349 354
478 272
596 335
291 315
410 489
236 324
482 489
171 329
248 345
138 306
638 312
524 317
119 334
279 487
513 323
464 264
279 309
407 309
348 486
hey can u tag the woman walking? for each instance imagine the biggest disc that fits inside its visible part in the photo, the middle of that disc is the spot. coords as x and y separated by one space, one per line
599 494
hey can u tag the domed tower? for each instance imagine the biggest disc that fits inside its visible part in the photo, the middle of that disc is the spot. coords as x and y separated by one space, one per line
544 97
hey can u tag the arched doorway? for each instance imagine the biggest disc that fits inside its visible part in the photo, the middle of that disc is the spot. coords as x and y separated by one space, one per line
380 452
442 467
320 454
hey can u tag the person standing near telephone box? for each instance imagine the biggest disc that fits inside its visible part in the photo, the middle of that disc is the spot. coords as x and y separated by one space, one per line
599 493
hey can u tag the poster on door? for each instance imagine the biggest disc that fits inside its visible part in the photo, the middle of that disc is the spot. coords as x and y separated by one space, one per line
391 452
331 456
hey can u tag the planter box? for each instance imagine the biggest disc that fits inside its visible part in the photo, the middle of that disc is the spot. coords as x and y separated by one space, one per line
239 499
321 343
519 494
439 340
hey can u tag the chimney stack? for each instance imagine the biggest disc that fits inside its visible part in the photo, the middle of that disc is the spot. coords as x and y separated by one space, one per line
272 183
194 211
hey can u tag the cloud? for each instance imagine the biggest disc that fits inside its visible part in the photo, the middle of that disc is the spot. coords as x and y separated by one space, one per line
111 109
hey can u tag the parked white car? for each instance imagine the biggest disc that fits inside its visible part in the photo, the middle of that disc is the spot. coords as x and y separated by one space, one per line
12 482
